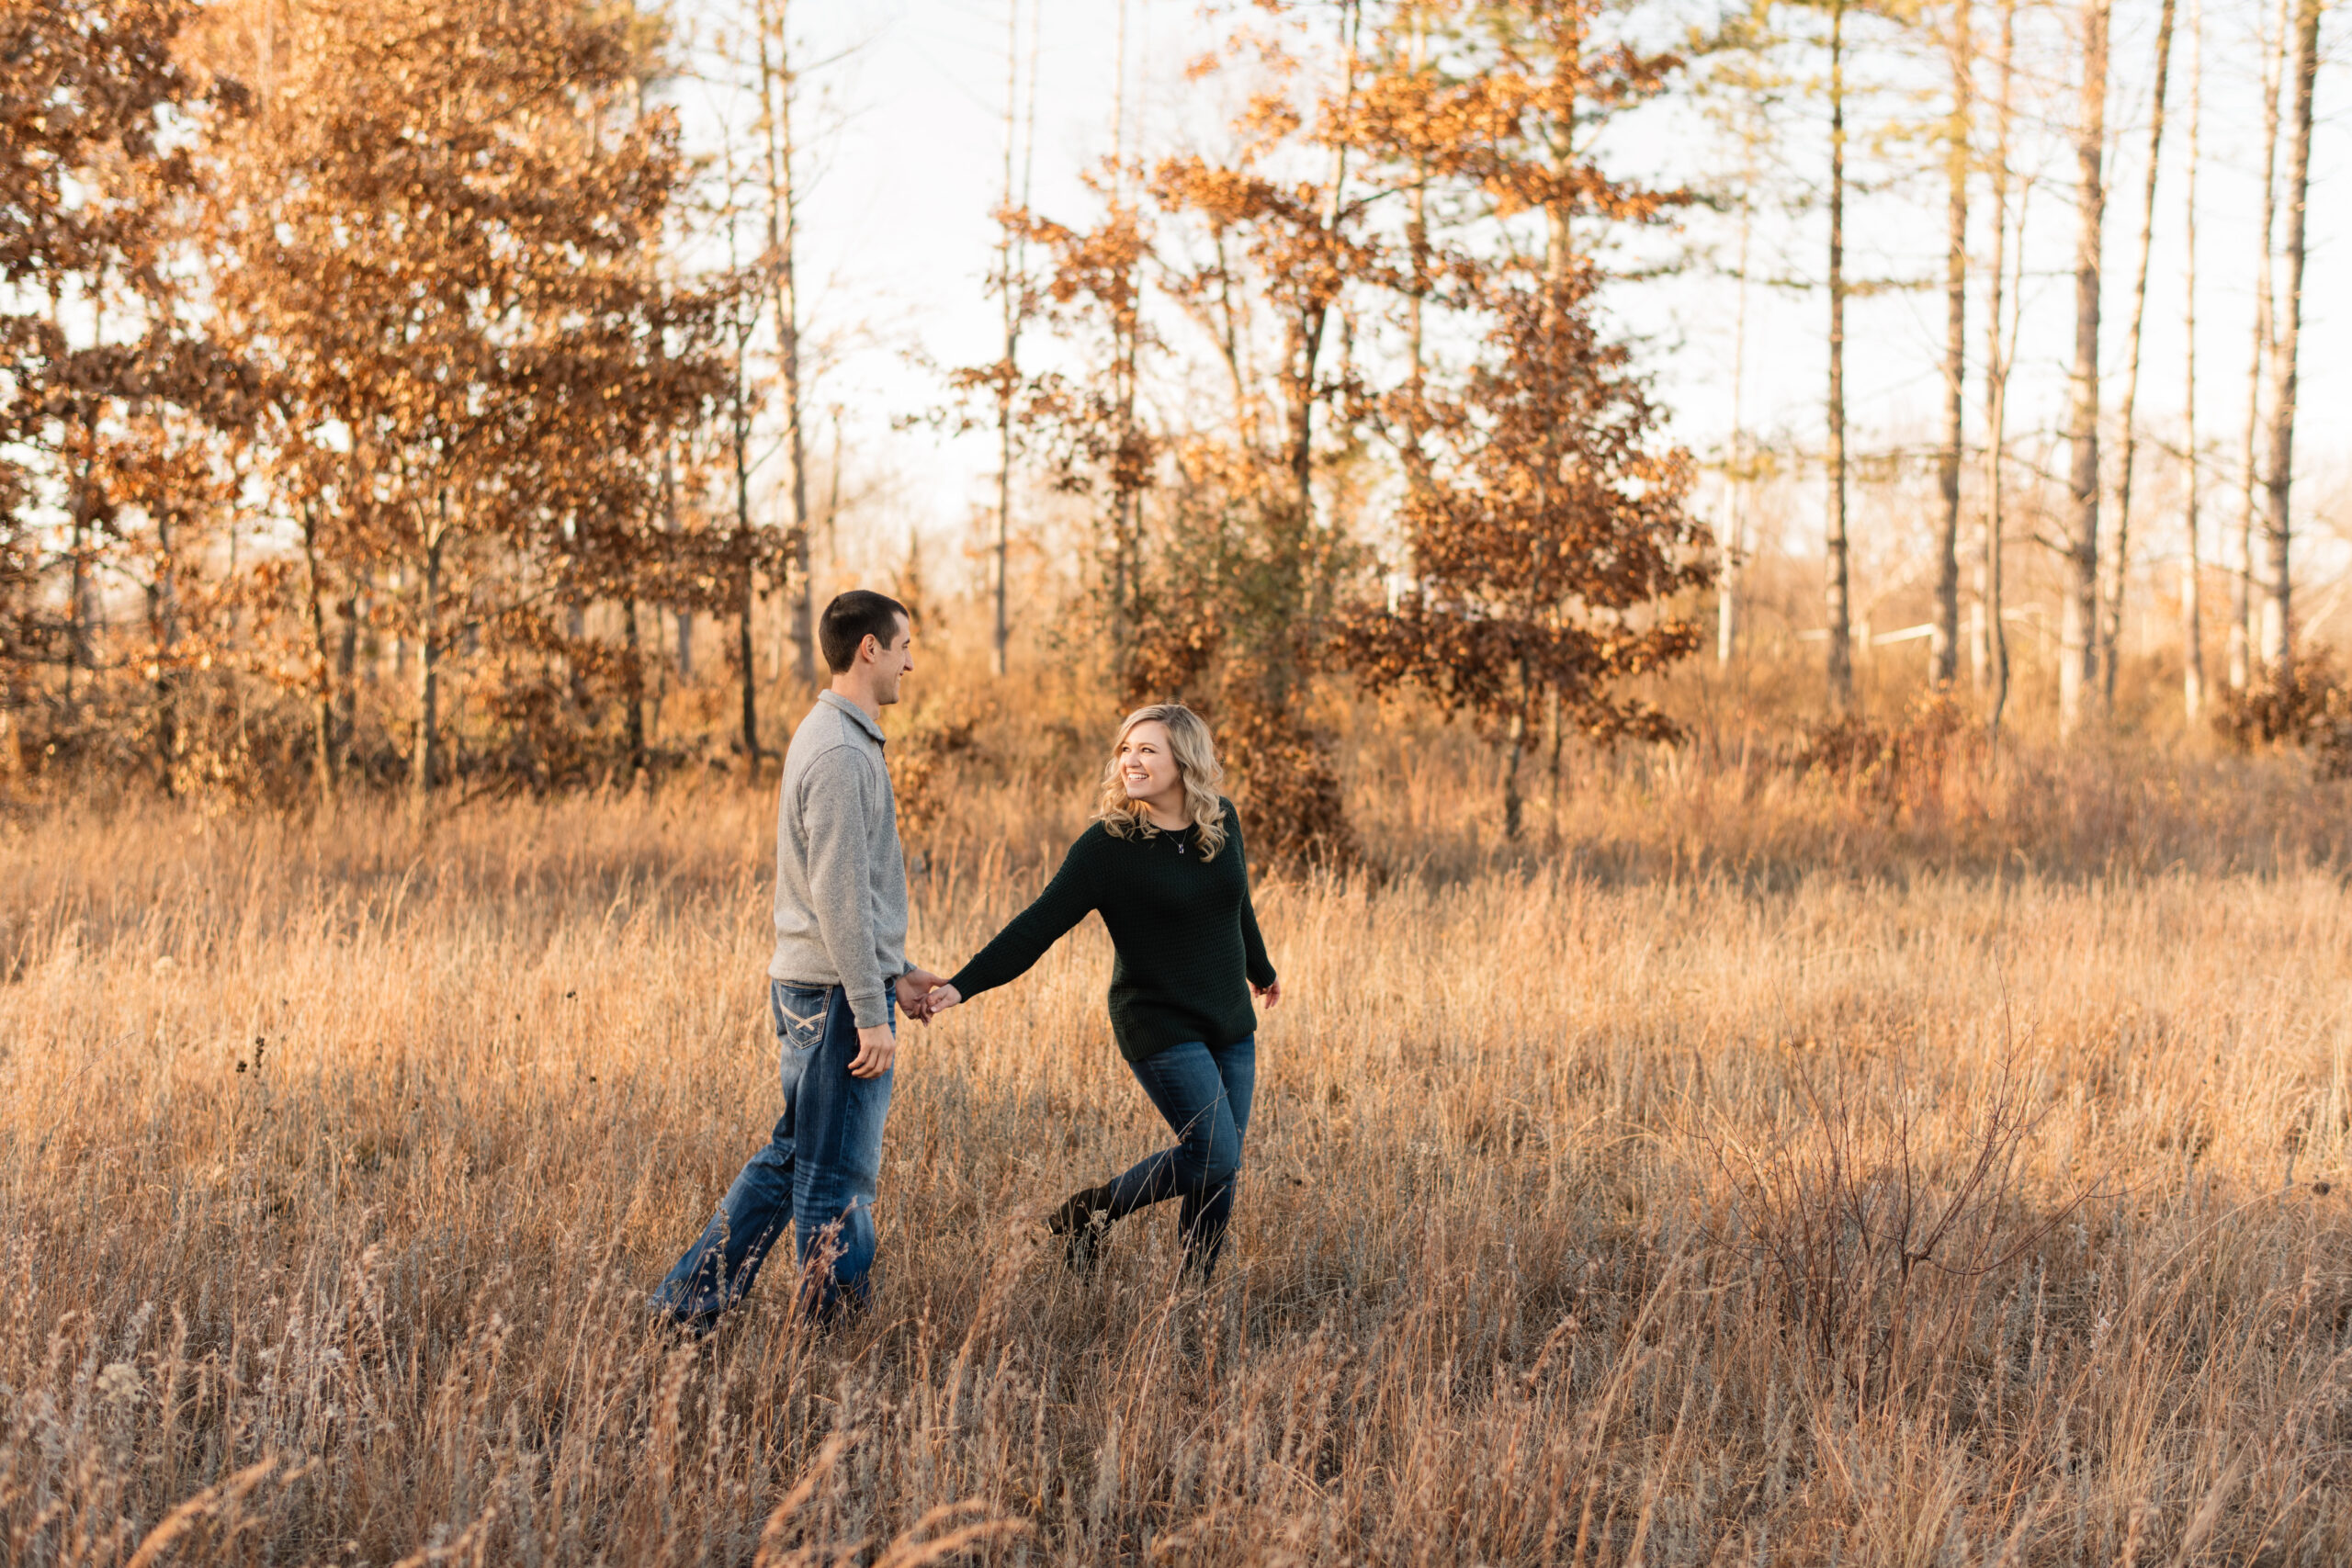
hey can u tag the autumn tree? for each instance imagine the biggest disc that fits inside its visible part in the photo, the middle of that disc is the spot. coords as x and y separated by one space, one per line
105 389
2278 627
1548 542
2110 630
435 255
1228 606
2078 611
1549 527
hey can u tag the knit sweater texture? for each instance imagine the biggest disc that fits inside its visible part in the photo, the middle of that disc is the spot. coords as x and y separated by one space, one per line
1186 937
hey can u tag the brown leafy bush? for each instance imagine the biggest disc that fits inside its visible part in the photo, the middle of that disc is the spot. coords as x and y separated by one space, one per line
1896 767
2309 708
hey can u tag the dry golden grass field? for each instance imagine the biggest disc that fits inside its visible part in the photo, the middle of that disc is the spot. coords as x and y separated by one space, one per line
1754 1169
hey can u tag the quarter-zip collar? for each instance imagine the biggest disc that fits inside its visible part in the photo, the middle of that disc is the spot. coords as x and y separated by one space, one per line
862 719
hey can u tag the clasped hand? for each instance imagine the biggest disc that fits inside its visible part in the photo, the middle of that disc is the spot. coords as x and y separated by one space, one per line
924 996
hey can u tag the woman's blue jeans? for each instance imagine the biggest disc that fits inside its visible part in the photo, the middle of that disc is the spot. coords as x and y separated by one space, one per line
1204 1091
817 1172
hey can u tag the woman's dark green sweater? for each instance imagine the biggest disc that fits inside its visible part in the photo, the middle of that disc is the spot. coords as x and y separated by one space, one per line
1186 936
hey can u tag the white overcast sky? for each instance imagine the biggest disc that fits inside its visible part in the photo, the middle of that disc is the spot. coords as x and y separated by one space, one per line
906 170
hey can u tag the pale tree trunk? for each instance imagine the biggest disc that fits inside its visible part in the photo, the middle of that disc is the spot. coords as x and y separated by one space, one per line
1417 236
683 619
1005 285
1416 241
1998 353
2192 618
1302 456
1125 521
2110 633
78 652
1944 651
748 740
1837 584
2242 609
2277 625
776 85
1011 280
1727 570
2078 642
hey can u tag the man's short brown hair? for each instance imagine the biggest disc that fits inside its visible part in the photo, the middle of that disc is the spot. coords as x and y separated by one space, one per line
853 617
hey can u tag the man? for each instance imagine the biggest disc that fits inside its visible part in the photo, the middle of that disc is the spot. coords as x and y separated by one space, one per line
841 933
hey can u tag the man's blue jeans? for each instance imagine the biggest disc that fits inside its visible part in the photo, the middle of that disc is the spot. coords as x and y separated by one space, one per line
1204 1091
816 1173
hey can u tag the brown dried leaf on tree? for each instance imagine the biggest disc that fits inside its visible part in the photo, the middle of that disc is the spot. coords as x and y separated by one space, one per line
1546 525
433 245
1547 544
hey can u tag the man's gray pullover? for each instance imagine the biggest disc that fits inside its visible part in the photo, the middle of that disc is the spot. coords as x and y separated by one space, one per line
840 878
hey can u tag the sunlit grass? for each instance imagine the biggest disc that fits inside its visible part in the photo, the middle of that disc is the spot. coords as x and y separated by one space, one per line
338 1156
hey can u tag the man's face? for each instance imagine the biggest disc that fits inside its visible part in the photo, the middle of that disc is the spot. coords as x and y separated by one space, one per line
894 663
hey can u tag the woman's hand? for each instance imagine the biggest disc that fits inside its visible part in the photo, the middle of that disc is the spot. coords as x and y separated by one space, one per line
1270 995
941 998
912 988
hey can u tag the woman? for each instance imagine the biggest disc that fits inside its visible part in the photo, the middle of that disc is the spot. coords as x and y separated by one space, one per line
1163 862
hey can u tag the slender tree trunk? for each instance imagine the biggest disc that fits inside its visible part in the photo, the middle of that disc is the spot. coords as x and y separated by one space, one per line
1736 475
1559 738
2277 625
1998 352
78 652
776 83
346 657
162 620
2078 645
1945 648
78 655
2110 633
1009 286
1417 237
1312 330
1124 522
749 595
1515 752
1837 585
424 758
323 689
2242 609
2192 630
633 717
683 620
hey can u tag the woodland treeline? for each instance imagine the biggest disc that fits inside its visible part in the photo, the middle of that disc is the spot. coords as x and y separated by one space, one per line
390 388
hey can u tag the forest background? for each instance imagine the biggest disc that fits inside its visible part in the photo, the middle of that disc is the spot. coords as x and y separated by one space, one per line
341 454
1769 577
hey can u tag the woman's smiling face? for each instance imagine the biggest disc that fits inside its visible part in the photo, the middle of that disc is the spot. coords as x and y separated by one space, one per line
1147 764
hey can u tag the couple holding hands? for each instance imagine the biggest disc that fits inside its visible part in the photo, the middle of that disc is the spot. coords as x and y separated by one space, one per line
1162 864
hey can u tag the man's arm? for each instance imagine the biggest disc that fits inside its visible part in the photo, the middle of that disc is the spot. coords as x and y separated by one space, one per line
834 817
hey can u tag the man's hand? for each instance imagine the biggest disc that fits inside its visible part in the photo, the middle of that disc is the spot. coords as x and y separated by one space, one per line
876 1047
1270 995
915 987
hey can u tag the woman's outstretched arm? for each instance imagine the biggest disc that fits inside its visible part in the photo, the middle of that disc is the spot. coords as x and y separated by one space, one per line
1067 900
1255 963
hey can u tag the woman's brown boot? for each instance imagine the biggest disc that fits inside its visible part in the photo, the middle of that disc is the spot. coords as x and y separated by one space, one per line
1081 1222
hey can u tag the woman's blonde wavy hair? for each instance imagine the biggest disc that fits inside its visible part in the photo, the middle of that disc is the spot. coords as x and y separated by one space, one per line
1196 765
